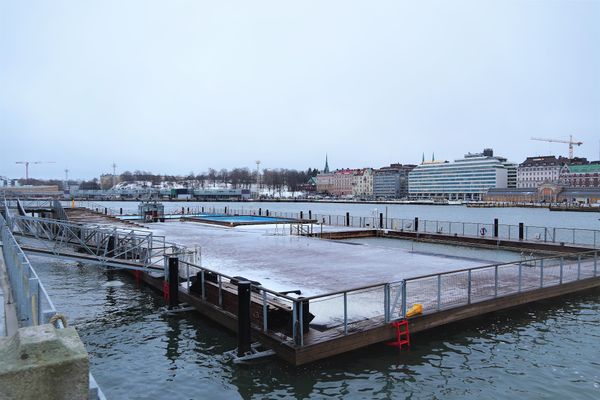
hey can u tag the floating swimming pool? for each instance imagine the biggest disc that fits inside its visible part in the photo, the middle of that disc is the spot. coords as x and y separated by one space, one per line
221 219
235 220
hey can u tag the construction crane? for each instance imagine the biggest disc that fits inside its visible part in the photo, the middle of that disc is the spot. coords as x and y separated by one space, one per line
32 162
570 142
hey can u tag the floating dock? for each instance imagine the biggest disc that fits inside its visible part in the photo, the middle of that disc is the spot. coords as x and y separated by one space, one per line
314 298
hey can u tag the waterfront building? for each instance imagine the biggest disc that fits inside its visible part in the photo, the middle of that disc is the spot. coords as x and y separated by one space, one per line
545 193
362 183
581 176
341 182
468 178
535 171
391 182
325 183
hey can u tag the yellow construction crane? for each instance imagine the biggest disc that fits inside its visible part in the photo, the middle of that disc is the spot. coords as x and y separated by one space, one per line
570 142
32 162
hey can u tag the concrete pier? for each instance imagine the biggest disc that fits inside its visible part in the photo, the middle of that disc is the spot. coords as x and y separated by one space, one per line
41 362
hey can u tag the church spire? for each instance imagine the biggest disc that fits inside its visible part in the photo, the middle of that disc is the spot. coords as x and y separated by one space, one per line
326 169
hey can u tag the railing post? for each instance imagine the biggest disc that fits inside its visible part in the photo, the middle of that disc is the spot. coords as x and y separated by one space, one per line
386 303
469 287
542 273
495 281
520 276
439 292
561 270
404 298
345 313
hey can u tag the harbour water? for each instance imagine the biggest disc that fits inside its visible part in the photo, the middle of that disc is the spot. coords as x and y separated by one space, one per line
545 350
508 215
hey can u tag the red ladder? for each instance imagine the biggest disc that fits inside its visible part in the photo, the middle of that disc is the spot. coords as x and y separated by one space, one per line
402 334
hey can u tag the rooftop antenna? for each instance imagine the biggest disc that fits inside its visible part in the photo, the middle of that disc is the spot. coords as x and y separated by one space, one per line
66 178
257 174
114 175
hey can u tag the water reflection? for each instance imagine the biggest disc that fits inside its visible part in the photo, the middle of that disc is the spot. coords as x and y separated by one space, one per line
548 349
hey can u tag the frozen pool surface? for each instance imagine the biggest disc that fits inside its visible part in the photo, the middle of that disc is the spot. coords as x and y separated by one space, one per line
279 261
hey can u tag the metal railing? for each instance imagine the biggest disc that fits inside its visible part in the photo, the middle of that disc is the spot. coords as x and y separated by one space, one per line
33 305
574 236
32 302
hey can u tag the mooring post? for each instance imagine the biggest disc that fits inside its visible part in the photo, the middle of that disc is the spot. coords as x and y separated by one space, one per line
309 214
173 282
243 317
347 219
226 210
267 213
521 230
495 227
202 209
416 224
380 220
105 211
188 210
265 310
121 211
301 214
182 210
259 211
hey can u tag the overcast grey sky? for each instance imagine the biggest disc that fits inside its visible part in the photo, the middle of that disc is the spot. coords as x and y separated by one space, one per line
179 86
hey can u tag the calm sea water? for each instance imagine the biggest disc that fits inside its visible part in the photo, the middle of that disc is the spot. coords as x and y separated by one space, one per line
546 350
529 216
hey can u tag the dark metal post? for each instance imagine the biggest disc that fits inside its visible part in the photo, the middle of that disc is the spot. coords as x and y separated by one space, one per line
243 318
267 212
301 214
259 211
173 282
105 211
380 220
347 219
202 209
182 210
495 227
225 210
521 230
416 224
121 211
309 214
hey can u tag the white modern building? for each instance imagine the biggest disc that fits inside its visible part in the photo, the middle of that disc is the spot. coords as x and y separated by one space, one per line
468 178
